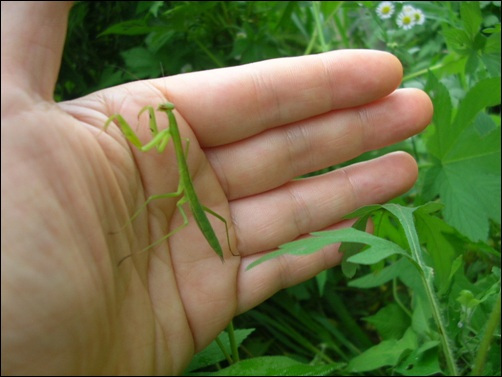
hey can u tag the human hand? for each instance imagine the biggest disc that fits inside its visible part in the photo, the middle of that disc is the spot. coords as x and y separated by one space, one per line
68 188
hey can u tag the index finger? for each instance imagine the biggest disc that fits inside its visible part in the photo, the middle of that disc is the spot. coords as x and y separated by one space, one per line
230 104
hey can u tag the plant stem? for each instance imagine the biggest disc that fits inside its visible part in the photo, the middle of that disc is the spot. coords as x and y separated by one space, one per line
425 70
398 300
233 343
224 350
405 216
491 326
316 11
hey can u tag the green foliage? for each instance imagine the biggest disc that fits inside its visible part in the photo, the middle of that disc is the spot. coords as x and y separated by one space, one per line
273 366
420 296
465 152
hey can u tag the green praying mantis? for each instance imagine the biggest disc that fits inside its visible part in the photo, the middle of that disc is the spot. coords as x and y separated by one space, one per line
185 185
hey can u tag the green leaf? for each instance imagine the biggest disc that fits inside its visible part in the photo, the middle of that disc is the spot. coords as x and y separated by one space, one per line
390 321
363 211
484 94
379 278
378 247
466 173
423 361
442 116
471 16
212 354
274 366
491 54
432 231
349 248
141 62
484 124
132 27
321 279
387 353
378 250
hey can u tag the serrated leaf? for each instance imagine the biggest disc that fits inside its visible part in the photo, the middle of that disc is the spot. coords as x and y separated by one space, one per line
386 353
484 94
484 124
491 54
379 278
275 366
349 248
441 118
379 247
471 16
363 211
377 251
390 321
466 171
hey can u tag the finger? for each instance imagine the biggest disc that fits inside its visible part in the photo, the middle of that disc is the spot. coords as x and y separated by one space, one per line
262 222
32 44
231 104
276 156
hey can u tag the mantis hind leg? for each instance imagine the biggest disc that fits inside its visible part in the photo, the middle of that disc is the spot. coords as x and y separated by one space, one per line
219 217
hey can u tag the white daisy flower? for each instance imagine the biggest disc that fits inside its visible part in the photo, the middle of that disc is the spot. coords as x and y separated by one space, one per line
408 9
385 10
405 20
418 17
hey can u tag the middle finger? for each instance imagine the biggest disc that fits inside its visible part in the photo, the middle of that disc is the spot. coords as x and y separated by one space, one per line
276 156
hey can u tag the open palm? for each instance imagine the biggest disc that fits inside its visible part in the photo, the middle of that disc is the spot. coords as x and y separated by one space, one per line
68 188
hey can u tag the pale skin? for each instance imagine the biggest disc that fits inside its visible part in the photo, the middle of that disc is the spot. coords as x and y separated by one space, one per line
67 307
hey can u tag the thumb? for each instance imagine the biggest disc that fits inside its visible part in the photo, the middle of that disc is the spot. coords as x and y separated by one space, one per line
33 36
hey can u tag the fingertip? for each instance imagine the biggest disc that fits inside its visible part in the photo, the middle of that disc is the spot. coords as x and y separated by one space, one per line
420 108
362 76
406 168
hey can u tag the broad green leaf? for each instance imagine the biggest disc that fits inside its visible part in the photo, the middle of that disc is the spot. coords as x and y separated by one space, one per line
484 124
484 94
275 366
390 321
442 116
491 55
386 353
432 231
471 16
423 361
421 315
466 171
139 59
